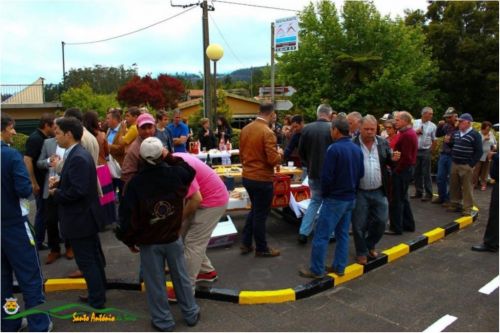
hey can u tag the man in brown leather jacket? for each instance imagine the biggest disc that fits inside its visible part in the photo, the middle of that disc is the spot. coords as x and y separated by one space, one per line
259 155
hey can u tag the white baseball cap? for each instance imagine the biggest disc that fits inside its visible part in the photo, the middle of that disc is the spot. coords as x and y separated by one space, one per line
151 150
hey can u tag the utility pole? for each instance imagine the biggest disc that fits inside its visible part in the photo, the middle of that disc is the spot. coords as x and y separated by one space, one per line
63 63
206 62
272 63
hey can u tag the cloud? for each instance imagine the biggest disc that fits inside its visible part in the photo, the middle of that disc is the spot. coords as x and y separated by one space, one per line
31 42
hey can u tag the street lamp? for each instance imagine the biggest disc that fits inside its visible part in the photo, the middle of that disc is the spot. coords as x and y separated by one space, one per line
214 52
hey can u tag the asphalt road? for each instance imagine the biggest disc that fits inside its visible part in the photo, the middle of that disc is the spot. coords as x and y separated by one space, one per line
409 294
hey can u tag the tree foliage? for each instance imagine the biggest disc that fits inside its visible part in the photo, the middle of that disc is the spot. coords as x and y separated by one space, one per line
102 79
86 99
164 92
358 60
464 40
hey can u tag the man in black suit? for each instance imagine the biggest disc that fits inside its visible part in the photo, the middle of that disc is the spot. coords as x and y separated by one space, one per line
78 207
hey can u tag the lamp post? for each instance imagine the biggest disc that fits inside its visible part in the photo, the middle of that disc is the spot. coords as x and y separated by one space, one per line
214 52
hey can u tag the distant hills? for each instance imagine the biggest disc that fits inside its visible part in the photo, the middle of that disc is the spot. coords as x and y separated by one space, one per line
242 74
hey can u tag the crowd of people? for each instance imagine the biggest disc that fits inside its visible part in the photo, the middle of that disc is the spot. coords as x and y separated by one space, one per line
359 171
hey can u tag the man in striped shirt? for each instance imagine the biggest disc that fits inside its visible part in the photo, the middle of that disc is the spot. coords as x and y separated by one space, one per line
466 150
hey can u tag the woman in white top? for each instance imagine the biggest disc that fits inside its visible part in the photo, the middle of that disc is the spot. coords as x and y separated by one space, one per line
483 166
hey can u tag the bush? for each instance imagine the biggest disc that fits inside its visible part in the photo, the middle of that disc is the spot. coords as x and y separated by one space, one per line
20 142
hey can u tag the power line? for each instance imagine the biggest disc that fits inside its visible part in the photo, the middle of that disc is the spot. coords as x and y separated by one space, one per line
132 32
258 6
225 41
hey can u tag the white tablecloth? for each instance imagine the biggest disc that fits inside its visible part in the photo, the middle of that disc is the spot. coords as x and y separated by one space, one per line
218 154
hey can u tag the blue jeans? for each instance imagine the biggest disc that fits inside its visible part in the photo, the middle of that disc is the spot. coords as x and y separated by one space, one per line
20 257
443 176
335 215
400 210
153 266
39 220
423 181
261 196
368 219
316 199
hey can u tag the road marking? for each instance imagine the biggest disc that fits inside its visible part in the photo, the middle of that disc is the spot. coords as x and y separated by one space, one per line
441 324
490 286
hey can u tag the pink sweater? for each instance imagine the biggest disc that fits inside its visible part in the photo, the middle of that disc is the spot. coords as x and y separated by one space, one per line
212 188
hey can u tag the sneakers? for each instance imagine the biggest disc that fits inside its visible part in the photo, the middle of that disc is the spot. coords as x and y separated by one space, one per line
416 196
270 252
426 198
208 277
483 187
171 295
53 256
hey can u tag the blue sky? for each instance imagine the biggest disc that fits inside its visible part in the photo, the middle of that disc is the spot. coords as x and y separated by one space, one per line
31 32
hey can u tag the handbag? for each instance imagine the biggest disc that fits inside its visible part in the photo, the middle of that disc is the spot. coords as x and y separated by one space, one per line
114 167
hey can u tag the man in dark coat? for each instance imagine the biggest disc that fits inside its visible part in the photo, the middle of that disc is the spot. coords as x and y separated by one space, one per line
79 210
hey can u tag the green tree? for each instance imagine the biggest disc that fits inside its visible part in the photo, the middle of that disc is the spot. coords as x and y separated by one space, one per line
464 40
102 80
86 99
358 60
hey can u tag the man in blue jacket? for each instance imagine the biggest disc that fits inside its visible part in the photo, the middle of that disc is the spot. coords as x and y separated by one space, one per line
342 170
19 255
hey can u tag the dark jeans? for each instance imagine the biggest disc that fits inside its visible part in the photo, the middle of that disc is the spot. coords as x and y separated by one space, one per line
39 220
490 238
20 258
368 219
423 181
52 223
261 196
400 209
90 260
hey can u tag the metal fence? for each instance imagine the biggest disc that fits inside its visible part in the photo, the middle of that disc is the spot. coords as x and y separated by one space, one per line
22 93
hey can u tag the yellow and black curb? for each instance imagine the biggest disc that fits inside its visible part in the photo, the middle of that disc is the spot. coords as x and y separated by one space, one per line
290 294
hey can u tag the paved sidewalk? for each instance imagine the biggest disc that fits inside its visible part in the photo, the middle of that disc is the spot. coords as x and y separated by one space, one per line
250 273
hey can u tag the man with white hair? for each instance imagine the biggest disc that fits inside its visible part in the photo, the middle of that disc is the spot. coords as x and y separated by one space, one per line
465 153
354 118
153 208
426 134
406 146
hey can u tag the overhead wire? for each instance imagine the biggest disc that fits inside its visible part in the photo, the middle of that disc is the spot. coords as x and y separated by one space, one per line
131 32
254 5
225 41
